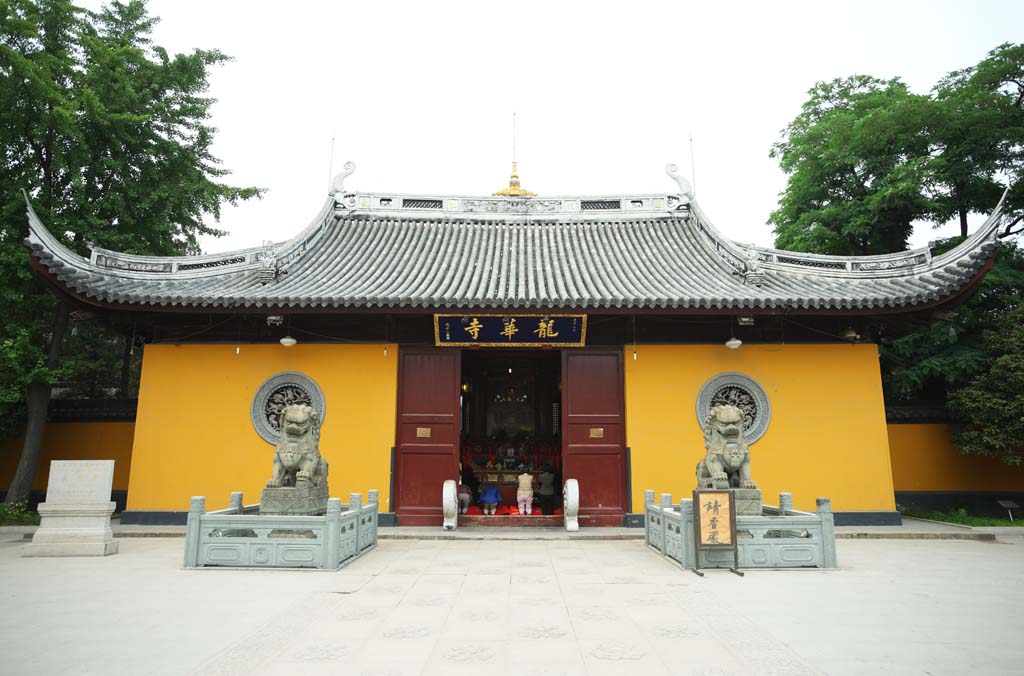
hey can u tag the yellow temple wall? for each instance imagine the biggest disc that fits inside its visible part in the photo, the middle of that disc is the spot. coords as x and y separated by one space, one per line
827 436
74 441
924 458
194 435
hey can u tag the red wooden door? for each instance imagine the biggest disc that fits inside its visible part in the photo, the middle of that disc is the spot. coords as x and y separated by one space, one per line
594 432
427 435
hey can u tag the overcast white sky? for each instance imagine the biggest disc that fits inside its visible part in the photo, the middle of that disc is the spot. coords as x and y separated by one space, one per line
421 94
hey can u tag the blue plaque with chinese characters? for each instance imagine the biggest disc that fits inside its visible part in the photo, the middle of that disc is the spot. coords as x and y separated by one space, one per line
510 330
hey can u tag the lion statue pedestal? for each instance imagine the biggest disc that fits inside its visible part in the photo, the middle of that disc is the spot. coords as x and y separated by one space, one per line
299 483
726 462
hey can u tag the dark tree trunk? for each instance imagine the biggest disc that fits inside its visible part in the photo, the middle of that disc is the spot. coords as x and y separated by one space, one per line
963 222
37 401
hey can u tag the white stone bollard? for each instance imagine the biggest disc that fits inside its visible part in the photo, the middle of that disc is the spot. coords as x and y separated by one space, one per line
571 505
449 505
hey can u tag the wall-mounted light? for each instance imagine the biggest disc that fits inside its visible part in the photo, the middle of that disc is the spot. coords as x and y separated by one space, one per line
733 343
288 341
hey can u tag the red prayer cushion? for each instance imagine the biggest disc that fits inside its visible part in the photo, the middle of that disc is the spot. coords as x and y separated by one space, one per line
502 511
473 509
559 511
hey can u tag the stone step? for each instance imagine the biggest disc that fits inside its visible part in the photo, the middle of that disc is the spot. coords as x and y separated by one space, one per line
506 521
537 521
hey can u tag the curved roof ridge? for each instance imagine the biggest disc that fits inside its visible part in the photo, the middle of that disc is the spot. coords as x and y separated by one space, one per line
899 263
39 237
356 260
109 262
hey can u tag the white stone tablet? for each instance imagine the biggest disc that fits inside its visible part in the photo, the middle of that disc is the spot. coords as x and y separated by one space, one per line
80 481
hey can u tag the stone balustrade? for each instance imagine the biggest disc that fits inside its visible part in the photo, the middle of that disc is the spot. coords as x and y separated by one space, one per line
782 538
240 537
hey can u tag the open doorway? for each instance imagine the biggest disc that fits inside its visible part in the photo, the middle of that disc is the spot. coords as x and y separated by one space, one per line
511 428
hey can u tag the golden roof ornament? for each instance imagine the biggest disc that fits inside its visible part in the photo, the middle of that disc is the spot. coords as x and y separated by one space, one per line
514 189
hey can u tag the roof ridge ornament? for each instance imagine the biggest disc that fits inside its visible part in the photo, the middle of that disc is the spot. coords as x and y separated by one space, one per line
338 184
753 275
269 264
684 185
514 189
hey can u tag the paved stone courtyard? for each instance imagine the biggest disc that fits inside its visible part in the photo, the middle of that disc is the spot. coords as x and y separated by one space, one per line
482 607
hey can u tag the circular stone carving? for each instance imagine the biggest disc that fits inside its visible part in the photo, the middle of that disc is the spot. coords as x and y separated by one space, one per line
278 391
742 392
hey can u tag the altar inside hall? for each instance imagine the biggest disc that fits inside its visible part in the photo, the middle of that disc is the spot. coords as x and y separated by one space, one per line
510 423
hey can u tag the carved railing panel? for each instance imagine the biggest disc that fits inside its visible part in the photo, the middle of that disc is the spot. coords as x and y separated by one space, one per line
233 537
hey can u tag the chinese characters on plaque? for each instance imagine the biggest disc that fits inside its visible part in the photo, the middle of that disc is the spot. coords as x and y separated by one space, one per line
510 330
714 521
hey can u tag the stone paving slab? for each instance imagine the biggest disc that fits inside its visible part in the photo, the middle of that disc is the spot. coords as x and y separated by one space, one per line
529 608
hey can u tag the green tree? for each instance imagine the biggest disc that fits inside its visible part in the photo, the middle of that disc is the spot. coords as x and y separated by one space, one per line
109 135
856 157
978 139
866 158
991 407
947 355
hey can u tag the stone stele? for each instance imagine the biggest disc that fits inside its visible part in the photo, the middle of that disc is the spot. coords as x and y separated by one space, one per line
76 515
299 483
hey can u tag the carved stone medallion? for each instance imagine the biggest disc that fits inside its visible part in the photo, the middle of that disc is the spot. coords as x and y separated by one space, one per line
278 391
742 392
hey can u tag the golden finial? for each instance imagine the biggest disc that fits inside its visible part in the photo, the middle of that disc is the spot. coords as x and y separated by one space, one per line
514 189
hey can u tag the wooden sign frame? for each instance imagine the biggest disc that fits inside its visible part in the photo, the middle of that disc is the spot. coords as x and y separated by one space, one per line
700 541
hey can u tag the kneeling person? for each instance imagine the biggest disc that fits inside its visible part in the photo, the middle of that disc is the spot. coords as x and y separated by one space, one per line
490 498
524 493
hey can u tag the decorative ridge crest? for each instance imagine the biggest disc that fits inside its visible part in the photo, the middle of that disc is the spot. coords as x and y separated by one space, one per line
338 184
685 188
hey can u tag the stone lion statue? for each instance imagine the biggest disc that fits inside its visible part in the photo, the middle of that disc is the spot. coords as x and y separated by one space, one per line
726 463
297 459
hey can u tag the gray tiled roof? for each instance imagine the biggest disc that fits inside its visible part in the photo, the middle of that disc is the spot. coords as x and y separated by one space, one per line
351 258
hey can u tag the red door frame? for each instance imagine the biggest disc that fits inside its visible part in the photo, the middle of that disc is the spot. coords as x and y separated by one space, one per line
426 432
594 433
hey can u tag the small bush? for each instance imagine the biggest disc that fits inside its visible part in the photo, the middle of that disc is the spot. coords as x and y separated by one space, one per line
17 514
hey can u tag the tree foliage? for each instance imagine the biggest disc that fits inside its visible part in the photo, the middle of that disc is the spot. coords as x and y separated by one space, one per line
866 158
109 135
856 157
948 354
991 407
978 138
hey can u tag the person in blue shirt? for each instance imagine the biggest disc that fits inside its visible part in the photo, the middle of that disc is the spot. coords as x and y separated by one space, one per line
490 498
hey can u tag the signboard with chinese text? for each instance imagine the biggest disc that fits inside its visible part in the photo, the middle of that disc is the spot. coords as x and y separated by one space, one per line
715 527
510 330
714 524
